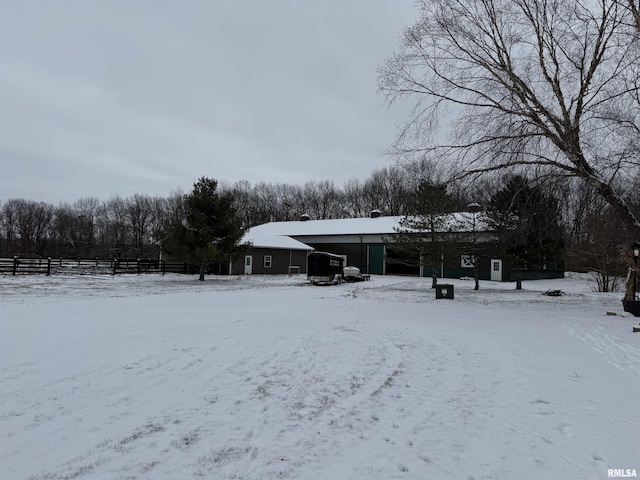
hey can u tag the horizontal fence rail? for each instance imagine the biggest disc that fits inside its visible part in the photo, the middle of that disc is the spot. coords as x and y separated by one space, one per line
116 266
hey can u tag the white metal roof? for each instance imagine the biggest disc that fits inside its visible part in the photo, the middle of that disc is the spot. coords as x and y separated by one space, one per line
261 240
357 226
341 226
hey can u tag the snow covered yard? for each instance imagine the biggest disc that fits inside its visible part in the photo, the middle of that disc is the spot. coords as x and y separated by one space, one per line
151 377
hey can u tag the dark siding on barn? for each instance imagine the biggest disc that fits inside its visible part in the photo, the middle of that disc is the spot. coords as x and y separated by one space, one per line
280 261
369 258
535 274
395 266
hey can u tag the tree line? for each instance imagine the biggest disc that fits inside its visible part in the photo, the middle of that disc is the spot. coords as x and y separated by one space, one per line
132 227
536 218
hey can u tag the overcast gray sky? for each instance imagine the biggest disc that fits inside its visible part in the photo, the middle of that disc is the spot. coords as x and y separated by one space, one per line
144 96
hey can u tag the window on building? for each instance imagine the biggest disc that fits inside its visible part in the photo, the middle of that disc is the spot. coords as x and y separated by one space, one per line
267 261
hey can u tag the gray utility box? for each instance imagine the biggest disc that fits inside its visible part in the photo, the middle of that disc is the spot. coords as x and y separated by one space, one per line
444 290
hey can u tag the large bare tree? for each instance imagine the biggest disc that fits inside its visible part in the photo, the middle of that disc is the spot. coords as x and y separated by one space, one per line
551 85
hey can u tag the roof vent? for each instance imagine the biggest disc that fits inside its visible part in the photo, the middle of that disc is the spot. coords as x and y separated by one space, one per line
375 213
304 217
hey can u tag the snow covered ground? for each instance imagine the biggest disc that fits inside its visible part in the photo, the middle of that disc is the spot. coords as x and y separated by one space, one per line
152 377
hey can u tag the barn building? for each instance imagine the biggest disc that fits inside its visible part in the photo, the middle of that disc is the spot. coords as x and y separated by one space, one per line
367 243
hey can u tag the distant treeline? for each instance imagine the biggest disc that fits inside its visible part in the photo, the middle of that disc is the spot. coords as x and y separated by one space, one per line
133 227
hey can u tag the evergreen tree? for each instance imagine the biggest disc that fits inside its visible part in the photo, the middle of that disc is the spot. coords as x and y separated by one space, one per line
425 233
527 222
210 229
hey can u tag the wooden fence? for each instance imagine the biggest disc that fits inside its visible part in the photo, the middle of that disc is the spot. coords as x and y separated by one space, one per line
62 266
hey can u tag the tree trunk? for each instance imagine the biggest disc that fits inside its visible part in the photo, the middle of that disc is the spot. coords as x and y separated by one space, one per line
476 268
630 285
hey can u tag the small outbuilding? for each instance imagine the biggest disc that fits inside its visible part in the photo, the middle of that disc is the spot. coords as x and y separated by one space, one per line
271 254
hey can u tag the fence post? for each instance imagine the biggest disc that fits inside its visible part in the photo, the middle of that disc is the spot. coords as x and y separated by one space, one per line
162 266
138 266
15 264
96 262
48 266
60 264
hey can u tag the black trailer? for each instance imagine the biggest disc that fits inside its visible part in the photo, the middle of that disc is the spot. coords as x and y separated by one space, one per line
324 268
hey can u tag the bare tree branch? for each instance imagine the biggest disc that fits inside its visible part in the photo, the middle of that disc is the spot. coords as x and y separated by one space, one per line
523 83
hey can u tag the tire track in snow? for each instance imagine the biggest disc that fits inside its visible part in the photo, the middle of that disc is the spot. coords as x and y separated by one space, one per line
296 396
116 400
620 354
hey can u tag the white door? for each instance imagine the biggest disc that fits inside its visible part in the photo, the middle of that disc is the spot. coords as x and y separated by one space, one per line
496 270
248 265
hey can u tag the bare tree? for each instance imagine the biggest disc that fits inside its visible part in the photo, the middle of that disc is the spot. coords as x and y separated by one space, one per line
542 84
139 217
8 226
288 196
27 226
387 190
86 211
114 221
322 199
242 193
353 198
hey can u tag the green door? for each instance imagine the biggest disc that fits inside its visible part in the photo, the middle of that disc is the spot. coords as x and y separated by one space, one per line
376 259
